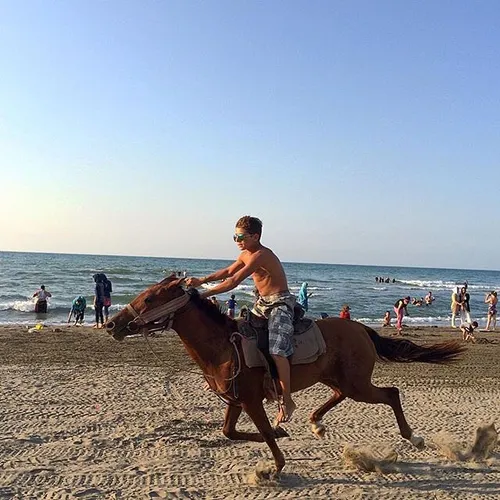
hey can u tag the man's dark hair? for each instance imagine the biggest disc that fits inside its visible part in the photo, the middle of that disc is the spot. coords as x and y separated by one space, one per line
251 225
43 287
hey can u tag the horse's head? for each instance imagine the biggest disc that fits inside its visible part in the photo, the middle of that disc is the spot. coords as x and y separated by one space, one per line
151 309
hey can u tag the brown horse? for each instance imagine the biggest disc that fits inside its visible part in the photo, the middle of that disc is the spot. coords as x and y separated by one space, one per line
346 367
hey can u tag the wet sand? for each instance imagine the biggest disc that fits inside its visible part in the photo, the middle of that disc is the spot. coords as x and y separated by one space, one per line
84 416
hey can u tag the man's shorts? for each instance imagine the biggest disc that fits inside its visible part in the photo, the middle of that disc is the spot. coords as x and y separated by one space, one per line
278 310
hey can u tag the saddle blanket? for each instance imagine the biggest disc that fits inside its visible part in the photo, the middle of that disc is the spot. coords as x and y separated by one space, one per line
307 348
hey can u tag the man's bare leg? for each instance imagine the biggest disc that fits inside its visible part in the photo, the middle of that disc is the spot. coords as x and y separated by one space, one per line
283 366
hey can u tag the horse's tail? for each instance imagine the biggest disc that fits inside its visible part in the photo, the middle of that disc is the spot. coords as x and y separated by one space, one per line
404 351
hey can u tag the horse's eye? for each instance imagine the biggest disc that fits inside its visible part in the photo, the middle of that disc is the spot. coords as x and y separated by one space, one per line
148 299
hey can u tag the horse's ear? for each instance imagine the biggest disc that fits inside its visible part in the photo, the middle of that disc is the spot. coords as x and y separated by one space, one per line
179 282
167 279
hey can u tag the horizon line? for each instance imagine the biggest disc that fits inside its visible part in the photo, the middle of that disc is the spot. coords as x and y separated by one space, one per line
232 259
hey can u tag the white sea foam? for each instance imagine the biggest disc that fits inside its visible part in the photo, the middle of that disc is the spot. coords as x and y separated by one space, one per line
18 305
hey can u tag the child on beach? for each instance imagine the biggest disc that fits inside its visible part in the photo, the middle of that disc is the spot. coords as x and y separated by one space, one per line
492 301
231 306
400 309
345 312
468 331
387 319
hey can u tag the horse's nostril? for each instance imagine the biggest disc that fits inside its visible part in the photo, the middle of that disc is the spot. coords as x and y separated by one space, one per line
110 325
133 327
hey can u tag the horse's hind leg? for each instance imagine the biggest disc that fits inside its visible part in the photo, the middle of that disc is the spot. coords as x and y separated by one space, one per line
229 429
316 416
390 396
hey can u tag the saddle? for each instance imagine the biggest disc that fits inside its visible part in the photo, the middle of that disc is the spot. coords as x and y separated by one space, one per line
308 341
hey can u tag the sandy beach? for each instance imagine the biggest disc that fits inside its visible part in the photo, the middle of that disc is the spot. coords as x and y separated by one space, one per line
84 416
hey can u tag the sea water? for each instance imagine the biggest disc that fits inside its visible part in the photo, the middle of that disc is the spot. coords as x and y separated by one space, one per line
67 276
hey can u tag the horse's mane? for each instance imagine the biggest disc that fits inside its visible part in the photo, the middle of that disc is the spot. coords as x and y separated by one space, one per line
212 311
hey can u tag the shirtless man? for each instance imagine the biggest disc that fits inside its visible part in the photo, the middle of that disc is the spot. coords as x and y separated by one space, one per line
274 301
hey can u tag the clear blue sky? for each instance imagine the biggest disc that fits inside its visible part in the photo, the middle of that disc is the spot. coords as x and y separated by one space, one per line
364 132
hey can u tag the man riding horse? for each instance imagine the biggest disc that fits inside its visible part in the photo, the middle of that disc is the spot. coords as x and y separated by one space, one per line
274 302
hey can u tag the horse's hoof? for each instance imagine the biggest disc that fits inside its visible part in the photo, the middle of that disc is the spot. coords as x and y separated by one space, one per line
319 429
417 441
279 432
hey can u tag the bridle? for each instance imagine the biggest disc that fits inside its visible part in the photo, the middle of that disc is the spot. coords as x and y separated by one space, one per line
161 317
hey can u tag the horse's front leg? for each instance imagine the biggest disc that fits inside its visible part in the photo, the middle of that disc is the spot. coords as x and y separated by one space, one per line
229 429
256 412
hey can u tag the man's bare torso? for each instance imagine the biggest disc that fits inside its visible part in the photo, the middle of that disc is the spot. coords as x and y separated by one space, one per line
269 278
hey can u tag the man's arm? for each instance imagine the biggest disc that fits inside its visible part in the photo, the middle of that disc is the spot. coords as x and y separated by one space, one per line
217 276
233 281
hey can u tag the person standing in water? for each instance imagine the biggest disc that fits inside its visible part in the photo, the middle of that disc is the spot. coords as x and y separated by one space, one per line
303 298
275 302
41 300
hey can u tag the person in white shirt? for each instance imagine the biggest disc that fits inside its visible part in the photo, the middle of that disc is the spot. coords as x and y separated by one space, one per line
41 300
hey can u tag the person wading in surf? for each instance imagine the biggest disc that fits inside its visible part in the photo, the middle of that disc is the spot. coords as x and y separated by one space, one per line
275 302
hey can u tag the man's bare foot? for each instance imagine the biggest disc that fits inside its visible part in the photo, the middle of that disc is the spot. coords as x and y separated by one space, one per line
286 411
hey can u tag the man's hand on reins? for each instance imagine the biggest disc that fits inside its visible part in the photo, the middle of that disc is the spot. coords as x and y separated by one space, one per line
194 282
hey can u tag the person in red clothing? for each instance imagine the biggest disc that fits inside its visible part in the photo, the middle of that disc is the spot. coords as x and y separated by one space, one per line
345 312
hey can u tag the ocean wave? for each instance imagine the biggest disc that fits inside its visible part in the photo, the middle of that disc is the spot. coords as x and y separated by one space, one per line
28 306
18 305
445 285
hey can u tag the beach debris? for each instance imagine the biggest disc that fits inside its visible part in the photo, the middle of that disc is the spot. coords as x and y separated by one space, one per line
37 328
368 460
166 388
486 439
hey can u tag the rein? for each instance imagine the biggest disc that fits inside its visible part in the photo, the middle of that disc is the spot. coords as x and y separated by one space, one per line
163 317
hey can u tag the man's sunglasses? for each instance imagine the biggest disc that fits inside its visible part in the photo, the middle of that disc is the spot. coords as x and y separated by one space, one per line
238 238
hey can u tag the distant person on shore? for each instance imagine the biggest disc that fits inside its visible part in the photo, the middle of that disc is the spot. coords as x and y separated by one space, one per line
376 279
78 309
400 308
41 300
323 315
492 300
464 305
231 306
303 298
108 288
99 301
214 300
345 312
429 298
387 319
468 331
455 305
